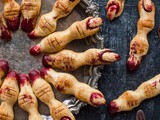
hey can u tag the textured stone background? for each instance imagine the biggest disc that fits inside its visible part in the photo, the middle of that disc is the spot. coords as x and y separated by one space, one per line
116 79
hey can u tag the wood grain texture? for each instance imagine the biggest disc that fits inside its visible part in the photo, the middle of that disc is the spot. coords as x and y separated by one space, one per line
116 79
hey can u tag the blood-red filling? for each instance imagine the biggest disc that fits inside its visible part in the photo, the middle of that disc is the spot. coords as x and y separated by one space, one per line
96 96
46 60
113 3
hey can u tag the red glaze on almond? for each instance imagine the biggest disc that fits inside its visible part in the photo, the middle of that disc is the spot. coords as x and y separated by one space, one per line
4 66
95 96
147 8
13 74
23 78
101 54
33 75
132 65
112 107
43 72
89 26
6 34
13 24
27 25
66 118
32 35
113 3
46 60
35 50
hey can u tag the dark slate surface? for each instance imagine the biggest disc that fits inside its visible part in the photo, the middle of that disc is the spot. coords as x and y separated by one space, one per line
116 79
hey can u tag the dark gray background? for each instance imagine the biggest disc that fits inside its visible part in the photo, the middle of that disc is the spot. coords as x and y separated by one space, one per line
116 79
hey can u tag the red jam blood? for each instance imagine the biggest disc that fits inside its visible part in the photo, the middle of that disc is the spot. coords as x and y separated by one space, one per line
46 60
65 118
4 66
147 8
43 72
27 25
6 34
33 75
35 50
112 107
13 74
13 24
23 78
96 96
113 4
131 65
32 35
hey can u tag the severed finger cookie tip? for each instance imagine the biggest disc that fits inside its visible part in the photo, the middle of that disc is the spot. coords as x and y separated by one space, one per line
13 75
112 107
97 99
4 66
13 24
112 9
147 5
43 72
32 35
35 50
66 118
46 61
6 34
33 75
93 23
23 78
27 25
132 65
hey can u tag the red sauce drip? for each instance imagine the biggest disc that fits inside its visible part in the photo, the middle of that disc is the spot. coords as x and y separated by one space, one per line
112 107
23 78
43 72
4 66
28 25
13 24
35 50
33 75
13 74
46 60
66 118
